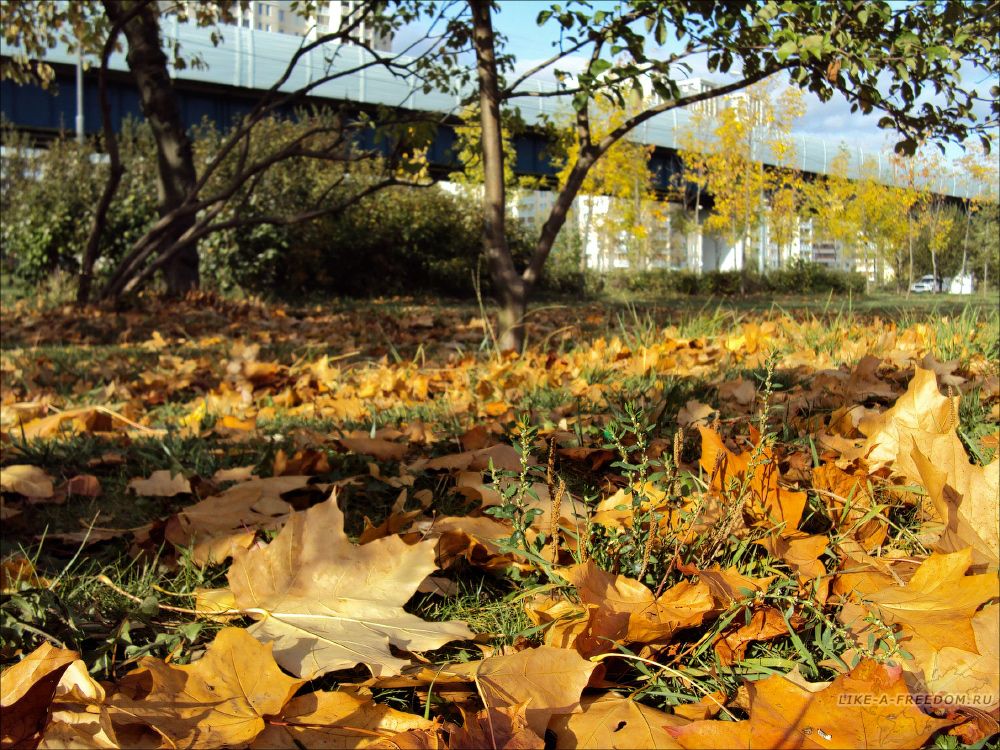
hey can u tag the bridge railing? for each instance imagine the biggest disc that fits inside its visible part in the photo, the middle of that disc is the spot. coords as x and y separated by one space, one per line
251 59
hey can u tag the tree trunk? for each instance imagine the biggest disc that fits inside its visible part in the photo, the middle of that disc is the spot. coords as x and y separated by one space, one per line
868 270
510 287
909 242
176 175
699 239
92 250
965 240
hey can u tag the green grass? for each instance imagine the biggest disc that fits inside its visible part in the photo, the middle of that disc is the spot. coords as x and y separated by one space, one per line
113 630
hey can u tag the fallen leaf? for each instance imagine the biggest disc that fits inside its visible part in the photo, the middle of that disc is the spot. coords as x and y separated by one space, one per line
236 474
383 450
475 438
162 483
869 708
728 586
221 699
765 624
955 678
503 728
547 681
971 515
801 552
27 689
850 505
694 412
30 481
935 608
623 610
18 573
219 524
335 720
328 604
768 503
610 721
84 485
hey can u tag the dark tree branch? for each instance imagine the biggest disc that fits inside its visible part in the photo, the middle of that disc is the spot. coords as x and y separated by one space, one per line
115 169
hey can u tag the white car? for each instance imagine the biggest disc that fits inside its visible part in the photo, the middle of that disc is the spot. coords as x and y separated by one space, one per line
925 284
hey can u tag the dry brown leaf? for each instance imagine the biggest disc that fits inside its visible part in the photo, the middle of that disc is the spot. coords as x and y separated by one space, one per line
30 481
211 603
547 681
328 604
742 391
222 523
970 516
707 707
502 456
564 621
610 721
475 438
765 623
162 483
79 718
82 419
728 586
694 412
800 551
921 416
474 538
935 608
380 448
219 700
623 610
848 502
18 573
869 708
236 474
84 485
26 692
503 728
952 674
335 721
767 502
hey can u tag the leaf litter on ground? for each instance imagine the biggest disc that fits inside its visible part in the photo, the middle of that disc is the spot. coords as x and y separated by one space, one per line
800 500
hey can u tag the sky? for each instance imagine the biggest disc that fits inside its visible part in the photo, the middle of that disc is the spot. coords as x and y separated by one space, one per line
832 120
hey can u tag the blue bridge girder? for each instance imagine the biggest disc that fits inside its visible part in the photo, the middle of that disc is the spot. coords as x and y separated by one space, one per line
248 61
48 112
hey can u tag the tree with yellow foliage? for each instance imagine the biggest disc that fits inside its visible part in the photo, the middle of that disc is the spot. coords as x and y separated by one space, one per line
621 174
468 146
755 124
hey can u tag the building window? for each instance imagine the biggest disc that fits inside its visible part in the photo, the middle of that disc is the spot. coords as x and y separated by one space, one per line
259 26
281 16
260 9
267 11
268 27
246 23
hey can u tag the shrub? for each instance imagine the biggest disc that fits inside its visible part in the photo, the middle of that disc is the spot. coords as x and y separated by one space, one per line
800 277
400 240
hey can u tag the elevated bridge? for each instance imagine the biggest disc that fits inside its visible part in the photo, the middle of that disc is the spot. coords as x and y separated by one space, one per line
247 62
